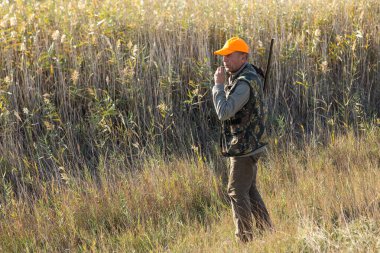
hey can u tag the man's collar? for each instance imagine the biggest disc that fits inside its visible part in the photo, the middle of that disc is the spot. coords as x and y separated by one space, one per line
233 75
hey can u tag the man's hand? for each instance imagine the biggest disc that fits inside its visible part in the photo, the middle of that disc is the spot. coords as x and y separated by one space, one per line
219 76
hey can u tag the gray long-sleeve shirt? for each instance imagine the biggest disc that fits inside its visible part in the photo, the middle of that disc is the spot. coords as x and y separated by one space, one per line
228 106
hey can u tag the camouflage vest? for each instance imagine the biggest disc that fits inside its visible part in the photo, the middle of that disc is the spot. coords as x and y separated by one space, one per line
245 131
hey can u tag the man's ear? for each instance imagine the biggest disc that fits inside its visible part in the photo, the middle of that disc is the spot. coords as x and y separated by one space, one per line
244 56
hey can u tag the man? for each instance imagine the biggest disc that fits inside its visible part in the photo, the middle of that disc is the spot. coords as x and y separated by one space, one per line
238 104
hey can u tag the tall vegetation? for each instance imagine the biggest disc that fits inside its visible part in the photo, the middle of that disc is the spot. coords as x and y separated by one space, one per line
108 137
83 81
321 199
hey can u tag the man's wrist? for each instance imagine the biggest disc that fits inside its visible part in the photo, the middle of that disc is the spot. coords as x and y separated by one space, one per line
218 87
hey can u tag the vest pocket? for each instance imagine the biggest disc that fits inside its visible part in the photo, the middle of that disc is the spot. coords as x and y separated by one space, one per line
237 146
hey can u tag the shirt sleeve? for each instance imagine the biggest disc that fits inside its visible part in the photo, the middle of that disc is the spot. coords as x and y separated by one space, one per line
226 107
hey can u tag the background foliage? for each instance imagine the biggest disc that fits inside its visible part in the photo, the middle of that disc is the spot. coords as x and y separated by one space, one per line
85 79
92 92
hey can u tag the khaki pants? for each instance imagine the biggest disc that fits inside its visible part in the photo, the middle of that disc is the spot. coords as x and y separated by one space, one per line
245 198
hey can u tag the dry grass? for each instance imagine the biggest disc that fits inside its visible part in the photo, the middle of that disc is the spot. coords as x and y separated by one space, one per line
318 201
323 199
123 210
100 100
80 80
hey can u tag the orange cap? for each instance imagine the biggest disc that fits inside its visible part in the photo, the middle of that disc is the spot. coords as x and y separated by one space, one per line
235 44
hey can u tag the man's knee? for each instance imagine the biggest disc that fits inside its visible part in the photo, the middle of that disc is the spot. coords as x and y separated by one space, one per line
237 195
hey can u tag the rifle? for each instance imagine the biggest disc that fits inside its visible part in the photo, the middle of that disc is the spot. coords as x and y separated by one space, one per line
268 65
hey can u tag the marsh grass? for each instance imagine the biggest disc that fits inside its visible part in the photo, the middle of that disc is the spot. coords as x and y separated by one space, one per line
106 123
124 210
81 80
318 201
323 199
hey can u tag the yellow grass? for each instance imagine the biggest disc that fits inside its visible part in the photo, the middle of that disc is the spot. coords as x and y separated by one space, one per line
320 199
108 133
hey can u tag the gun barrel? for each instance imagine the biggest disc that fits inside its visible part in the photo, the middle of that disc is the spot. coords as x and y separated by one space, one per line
268 65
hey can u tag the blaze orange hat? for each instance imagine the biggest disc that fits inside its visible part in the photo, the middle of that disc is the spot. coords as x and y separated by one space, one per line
235 44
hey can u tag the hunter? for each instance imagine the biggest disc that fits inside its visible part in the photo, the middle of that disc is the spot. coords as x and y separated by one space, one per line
239 105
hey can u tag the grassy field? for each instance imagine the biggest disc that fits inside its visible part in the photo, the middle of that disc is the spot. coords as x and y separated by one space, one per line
108 135
321 199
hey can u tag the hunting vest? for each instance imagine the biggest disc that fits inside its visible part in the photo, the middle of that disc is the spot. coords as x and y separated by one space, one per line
244 133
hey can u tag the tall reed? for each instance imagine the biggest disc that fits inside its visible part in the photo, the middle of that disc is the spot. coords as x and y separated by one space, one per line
128 79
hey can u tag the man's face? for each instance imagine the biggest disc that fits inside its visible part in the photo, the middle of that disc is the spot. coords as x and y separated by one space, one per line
232 62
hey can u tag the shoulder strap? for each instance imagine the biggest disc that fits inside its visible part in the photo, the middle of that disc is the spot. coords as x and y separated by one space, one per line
243 78
259 71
